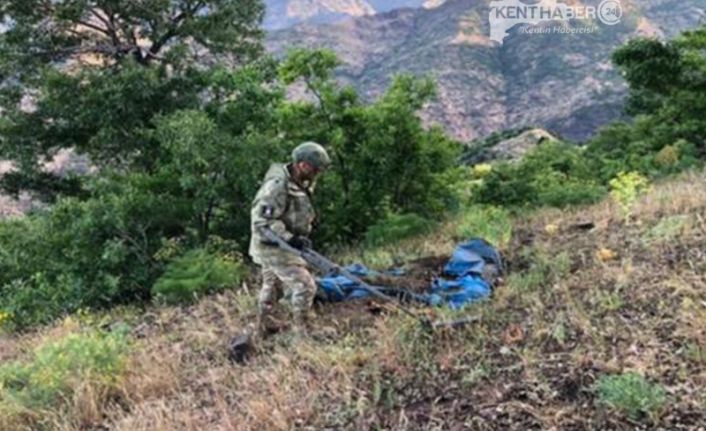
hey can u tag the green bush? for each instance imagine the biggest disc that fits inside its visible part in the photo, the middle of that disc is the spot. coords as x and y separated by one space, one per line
195 274
56 369
626 188
384 159
490 223
553 174
631 394
559 190
93 253
397 227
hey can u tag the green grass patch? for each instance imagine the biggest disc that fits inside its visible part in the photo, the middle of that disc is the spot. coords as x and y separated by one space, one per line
631 394
50 376
543 271
196 274
668 228
396 227
493 224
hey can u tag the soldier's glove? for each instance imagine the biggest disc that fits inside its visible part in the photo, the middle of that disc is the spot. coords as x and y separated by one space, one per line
300 242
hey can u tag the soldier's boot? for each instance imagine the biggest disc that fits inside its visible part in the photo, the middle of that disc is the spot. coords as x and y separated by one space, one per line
263 321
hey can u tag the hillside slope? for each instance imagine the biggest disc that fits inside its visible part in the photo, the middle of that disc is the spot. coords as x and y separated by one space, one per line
287 13
565 83
589 294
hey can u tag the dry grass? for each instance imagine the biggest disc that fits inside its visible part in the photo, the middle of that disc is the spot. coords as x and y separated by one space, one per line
565 317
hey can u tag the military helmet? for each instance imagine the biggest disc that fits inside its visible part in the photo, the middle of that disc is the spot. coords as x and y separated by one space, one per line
312 153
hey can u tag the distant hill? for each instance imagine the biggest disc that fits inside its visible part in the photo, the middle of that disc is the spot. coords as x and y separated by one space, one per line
564 83
286 13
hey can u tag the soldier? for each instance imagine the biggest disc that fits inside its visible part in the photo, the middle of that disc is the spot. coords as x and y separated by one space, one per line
284 204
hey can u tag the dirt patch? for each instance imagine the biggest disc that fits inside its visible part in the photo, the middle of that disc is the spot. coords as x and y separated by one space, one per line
417 275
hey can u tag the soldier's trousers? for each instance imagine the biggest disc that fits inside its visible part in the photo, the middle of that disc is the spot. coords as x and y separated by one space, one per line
297 279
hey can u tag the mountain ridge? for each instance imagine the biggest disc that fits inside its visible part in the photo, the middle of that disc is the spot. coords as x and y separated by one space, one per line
562 82
287 13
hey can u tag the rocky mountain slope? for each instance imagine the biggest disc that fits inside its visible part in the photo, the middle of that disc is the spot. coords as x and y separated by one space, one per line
565 83
286 13
508 145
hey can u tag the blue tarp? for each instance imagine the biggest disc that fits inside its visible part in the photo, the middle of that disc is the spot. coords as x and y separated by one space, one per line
460 284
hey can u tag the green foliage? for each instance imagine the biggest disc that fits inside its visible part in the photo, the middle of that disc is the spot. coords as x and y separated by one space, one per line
396 227
631 394
57 368
195 274
91 253
667 96
668 228
626 188
182 161
490 223
105 107
167 135
384 161
553 174
215 168
4 318
315 67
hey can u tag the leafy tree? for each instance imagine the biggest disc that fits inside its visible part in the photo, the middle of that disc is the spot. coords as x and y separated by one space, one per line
385 161
92 75
216 156
668 96
91 253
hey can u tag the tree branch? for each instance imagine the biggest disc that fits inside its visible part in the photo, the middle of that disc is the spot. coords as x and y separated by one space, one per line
105 31
158 44
109 22
107 49
102 19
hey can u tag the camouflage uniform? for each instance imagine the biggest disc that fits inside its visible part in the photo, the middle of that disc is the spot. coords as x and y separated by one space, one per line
286 208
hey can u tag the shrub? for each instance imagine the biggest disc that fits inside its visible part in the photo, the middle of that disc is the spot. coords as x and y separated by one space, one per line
490 223
626 188
93 253
56 370
4 318
481 170
631 394
195 274
560 190
397 227
553 174
667 157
